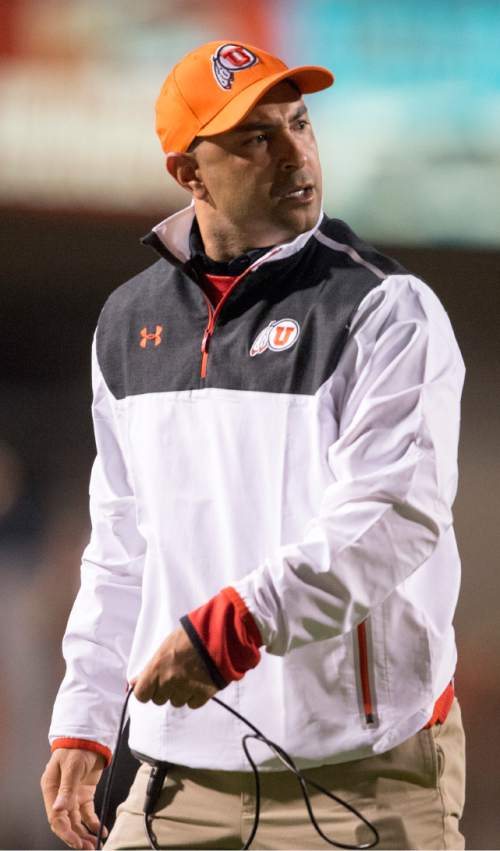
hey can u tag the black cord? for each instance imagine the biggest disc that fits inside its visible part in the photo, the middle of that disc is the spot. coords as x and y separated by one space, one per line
148 827
303 781
159 772
107 788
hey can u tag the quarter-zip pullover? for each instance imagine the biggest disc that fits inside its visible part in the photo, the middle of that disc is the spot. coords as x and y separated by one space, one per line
295 446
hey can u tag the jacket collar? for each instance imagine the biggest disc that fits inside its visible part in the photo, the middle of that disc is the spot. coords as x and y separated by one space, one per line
171 238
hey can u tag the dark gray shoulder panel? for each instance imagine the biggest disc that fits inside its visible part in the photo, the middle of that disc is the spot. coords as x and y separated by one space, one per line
149 329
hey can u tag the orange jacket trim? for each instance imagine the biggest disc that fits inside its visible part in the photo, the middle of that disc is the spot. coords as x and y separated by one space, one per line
442 706
83 744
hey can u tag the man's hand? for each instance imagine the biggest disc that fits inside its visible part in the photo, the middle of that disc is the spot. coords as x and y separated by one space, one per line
68 786
175 673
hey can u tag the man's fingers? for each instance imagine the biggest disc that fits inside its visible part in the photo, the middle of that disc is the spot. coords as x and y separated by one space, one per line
88 839
65 800
175 673
190 694
72 770
193 697
197 700
90 818
60 824
58 819
74 830
69 827
145 687
179 698
50 787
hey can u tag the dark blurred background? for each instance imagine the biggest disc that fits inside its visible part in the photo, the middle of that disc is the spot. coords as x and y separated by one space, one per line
409 138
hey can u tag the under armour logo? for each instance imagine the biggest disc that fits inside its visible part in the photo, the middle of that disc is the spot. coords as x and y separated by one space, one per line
154 337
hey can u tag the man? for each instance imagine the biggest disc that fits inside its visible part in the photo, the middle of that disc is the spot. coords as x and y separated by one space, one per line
276 411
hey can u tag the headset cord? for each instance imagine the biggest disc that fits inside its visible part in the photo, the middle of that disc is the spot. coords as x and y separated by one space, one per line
159 773
109 779
288 762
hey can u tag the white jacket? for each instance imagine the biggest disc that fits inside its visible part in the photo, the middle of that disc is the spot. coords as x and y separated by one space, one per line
318 485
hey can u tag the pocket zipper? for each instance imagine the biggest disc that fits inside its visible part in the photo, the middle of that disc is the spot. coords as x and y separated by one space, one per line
366 691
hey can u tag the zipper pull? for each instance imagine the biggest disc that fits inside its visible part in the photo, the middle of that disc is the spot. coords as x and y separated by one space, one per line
206 338
204 349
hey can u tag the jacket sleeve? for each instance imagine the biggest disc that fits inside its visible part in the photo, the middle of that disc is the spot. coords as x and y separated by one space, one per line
395 398
101 625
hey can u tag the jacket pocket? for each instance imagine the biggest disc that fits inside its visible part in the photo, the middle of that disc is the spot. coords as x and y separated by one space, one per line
365 673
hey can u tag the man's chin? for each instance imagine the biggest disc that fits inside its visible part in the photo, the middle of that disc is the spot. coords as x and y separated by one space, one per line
299 220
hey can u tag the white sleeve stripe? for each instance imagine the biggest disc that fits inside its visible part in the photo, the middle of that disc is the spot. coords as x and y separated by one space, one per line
341 246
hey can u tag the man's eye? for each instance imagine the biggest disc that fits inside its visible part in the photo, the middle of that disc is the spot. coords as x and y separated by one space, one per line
302 124
259 139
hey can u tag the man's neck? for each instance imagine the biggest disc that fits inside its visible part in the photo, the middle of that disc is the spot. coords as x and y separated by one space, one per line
223 241
224 246
203 261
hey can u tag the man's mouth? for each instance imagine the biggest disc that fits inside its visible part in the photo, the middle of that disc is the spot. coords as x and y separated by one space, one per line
300 193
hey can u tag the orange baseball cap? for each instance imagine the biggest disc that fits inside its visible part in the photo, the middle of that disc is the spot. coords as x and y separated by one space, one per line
212 89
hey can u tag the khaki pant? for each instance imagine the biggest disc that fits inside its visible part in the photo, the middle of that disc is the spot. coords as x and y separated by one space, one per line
413 794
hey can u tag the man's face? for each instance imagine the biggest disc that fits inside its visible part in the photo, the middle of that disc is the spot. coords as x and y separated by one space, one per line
263 177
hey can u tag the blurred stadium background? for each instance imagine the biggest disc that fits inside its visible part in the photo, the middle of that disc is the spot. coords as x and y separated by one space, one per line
410 142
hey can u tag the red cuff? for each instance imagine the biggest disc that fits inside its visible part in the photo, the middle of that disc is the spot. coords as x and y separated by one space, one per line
84 745
228 633
442 706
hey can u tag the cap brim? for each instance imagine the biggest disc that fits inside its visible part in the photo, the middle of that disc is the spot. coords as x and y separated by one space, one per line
309 78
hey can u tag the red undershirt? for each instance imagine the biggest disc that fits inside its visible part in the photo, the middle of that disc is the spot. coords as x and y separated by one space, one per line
214 286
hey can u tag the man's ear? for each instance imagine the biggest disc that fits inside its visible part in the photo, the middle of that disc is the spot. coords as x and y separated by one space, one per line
185 171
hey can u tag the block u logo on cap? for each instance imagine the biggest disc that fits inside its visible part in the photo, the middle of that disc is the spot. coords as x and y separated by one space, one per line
228 59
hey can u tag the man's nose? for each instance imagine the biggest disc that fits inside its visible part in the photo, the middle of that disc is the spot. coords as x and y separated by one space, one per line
292 154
